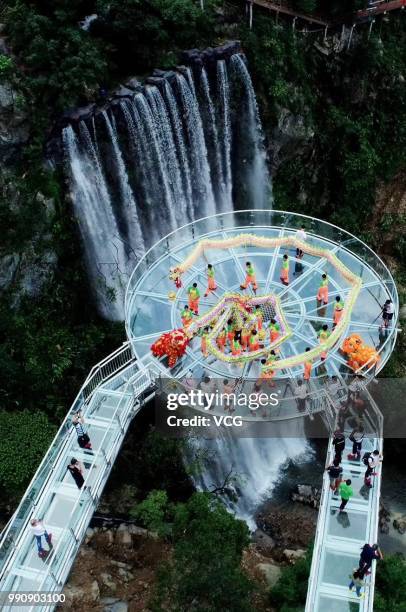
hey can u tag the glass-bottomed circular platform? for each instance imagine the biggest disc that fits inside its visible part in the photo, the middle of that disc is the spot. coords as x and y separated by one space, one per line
150 312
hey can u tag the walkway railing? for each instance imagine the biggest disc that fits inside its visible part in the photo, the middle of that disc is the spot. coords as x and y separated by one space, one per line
340 537
108 400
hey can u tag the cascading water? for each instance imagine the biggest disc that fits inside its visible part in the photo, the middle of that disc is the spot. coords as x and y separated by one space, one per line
104 252
131 233
253 173
248 466
152 162
224 107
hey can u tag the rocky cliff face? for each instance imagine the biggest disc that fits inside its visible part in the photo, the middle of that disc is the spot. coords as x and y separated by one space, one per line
24 267
14 125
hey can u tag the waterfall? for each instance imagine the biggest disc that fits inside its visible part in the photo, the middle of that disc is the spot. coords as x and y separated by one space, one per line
255 171
181 146
167 143
197 147
104 252
225 134
254 462
128 208
184 147
225 203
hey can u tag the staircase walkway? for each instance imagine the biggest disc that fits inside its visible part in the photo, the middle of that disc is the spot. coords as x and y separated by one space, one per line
109 399
340 537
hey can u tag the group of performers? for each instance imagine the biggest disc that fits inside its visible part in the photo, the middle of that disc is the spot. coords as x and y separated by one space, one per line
248 336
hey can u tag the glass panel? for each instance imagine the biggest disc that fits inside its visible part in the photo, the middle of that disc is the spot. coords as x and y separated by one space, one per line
336 605
350 524
337 567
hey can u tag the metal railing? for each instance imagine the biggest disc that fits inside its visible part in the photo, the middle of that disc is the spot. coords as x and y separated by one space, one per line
373 419
246 220
117 370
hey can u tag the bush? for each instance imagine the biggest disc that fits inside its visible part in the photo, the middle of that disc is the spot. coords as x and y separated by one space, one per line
289 594
153 512
25 437
6 66
391 585
205 573
307 6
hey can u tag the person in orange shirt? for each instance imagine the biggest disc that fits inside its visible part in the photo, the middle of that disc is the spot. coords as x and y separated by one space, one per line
211 283
285 270
250 278
194 297
259 317
222 339
274 331
186 316
245 334
322 294
253 341
308 366
323 335
338 310
230 331
236 346
203 346
267 374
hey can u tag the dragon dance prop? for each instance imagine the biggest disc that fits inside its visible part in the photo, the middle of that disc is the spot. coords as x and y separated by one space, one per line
270 243
172 345
358 353
237 306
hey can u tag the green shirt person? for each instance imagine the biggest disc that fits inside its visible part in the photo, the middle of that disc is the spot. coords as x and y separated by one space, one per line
346 492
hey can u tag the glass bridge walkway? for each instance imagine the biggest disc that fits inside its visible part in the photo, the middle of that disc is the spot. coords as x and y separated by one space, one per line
340 537
110 397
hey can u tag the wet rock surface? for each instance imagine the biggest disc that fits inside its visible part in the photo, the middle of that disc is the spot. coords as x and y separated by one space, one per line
306 494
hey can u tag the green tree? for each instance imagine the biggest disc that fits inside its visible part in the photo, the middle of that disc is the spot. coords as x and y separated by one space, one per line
153 512
63 64
391 585
205 573
307 6
150 33
289 594
25 437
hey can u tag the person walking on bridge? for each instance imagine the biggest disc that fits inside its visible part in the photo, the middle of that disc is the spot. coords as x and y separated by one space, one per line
357 582
388 310
78 423
339 444
371 460
76 470
40 532
346 492
335 472
368 555
356 437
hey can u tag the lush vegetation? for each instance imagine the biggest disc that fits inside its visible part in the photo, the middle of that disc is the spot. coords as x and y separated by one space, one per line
201 574
391 585
24 437
345 137
346 109
289 594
